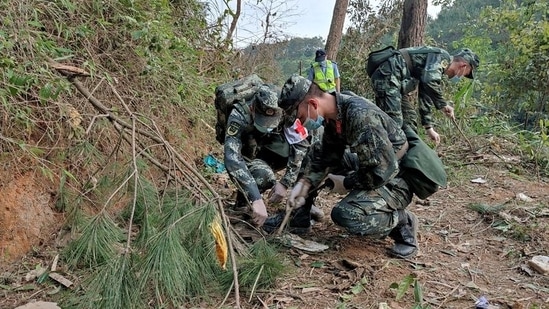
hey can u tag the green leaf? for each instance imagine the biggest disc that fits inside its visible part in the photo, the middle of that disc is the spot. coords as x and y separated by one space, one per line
418 293
317 264
403 286
357 289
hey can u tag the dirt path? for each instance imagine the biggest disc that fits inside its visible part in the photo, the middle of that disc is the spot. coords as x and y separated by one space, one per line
463 254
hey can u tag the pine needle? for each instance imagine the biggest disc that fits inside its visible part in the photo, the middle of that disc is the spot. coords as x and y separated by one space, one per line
178 262
114 286
169 268
258 271
96 244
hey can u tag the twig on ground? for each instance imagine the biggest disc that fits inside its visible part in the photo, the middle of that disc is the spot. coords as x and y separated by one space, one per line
122 126
463 134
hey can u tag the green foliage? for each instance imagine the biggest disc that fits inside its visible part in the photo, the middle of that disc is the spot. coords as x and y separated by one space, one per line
297 54
97 243
403 286
258 270
357 288
518 65
453 20
120 273
486 209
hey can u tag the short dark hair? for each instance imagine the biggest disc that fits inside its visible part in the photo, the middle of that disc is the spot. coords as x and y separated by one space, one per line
313 92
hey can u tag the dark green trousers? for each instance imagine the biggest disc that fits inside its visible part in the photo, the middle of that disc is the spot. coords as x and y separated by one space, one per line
373 213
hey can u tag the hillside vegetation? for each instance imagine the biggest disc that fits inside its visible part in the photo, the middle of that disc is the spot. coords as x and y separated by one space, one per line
107 114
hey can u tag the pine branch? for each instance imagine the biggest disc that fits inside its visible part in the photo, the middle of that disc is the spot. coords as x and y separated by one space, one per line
121 125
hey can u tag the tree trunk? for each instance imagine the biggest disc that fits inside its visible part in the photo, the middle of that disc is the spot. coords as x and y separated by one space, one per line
412 32
336 28
235 16
412 28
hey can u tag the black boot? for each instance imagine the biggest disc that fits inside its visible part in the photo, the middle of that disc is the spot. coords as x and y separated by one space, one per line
299 223
405 235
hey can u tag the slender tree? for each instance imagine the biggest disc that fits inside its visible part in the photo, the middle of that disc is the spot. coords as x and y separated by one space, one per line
412 31
412 28
336 28
235 15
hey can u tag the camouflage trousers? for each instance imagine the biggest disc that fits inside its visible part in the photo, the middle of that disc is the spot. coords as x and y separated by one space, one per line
373 213
264 176
392 87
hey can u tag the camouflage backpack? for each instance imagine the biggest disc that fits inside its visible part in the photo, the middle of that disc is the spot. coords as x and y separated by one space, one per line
230 94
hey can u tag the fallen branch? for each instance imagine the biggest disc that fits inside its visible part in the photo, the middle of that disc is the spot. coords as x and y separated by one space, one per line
123 127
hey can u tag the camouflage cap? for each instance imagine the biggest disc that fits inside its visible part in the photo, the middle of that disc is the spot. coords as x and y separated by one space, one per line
267 112
293 91
471 58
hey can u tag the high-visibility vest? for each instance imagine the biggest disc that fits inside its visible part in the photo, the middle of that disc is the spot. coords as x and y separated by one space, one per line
326 81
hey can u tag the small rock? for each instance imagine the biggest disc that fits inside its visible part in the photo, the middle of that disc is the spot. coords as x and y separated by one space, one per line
540 263
39 305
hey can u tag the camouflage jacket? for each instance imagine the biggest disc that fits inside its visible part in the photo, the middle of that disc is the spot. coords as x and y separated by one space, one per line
428 65
370 133
243 142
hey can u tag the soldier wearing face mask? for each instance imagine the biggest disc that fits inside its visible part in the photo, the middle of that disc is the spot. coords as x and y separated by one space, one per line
257 144
398 75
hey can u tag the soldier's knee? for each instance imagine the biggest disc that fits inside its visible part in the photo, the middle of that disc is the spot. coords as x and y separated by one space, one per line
340 217
263 174
377 224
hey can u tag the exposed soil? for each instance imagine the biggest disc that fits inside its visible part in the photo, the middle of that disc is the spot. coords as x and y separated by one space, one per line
464 254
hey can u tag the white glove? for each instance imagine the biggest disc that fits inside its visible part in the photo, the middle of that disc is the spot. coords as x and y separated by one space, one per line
259 212
448 111
433 135
278 192
301 189
338 184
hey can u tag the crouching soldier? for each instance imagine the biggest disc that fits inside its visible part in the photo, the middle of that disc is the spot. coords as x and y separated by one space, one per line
257 144
377 192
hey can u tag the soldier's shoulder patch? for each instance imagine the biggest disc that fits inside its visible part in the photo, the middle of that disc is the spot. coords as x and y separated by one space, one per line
444 64
233 128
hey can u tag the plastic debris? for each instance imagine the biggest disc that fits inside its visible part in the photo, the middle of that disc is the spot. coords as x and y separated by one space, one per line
481 303
525 198
216 165
295 241
478 180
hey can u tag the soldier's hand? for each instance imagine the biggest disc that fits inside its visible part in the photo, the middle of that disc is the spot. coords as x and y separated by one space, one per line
338 183
301 189
299 201
433 135
278 192
259 212
448 112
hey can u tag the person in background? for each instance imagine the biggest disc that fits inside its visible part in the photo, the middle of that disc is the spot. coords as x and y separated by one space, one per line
423 67
324 73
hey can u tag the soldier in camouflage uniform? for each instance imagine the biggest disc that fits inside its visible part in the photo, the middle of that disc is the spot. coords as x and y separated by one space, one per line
377 201
422 66
256 145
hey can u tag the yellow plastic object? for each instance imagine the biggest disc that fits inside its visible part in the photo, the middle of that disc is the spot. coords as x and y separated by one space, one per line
221 249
